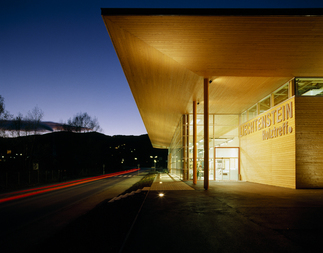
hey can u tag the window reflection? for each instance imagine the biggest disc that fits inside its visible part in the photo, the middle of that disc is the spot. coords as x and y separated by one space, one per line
252 112
244 117
281 94
309 86
264 105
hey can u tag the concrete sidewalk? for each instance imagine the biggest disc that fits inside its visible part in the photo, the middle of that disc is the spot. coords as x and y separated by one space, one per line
166 182
229 217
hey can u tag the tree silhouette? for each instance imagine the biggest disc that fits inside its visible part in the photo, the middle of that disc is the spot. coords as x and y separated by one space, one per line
33 119
4 116
83 122
17 125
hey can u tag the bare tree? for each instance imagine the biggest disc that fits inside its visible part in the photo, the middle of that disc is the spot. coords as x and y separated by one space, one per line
94 125
4 117
83 122
33 119
1 105
17 125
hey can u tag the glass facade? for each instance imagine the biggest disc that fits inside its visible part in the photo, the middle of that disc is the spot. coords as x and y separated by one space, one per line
223 133
278 96
252 112
244 117
227 163
264 104
309 86
176 151
281 94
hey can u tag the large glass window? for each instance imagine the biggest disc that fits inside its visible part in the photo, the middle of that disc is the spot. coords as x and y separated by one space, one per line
252 112
223 131
309 86
264 104
227 163
199 144
244 117
176 151
281 94
271 100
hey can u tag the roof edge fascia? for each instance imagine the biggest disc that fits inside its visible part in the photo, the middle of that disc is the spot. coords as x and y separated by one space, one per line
211 12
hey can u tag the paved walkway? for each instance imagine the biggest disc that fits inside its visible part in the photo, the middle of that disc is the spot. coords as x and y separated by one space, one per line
229 217
166 182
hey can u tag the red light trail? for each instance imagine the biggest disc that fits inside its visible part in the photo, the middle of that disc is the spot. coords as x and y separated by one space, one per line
39 190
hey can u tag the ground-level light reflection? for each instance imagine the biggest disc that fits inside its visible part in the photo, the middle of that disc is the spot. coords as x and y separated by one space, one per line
34 191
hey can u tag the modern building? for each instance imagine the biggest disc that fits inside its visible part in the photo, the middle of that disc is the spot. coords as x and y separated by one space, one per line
233 94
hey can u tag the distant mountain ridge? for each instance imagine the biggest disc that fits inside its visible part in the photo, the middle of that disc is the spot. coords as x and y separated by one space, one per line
91 146
42 126
66 155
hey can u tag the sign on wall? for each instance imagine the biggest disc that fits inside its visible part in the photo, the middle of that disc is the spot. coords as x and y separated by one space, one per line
267 146
272 124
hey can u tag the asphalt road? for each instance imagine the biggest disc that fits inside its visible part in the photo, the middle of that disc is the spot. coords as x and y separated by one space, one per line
28 221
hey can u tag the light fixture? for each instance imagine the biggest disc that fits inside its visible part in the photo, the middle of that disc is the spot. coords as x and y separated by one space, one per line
161 195
313 92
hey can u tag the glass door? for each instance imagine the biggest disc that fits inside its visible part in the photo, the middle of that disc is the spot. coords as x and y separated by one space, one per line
227 164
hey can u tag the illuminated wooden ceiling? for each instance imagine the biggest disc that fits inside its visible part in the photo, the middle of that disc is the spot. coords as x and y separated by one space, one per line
248 54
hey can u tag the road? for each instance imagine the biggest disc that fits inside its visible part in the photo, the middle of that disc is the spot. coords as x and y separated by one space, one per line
25 221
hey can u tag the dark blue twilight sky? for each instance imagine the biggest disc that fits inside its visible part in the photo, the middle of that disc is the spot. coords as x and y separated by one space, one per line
57 54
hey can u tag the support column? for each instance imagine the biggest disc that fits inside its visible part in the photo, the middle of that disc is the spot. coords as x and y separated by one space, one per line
272 102
194 144
291 88
206 133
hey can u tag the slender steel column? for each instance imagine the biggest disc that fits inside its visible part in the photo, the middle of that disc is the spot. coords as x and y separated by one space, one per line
194 144
206 133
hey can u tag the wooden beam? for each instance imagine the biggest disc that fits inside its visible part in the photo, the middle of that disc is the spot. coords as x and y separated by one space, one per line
291 88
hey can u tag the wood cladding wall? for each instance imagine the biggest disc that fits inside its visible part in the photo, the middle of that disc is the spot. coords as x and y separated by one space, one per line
309 142
267 147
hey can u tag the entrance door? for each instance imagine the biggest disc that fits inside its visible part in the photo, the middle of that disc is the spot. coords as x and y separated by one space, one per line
227 166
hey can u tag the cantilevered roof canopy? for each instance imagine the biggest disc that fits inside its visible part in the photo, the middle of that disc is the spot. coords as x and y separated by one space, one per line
248 53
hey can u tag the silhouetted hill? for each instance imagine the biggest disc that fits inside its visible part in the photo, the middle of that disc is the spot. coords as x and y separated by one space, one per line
68 155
